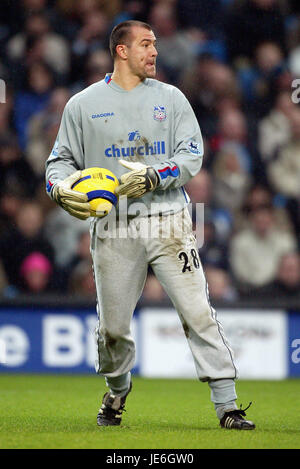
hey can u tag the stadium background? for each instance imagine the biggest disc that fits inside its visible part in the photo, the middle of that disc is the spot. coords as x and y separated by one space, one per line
236 61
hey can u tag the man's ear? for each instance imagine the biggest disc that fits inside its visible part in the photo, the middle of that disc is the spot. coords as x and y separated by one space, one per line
121 50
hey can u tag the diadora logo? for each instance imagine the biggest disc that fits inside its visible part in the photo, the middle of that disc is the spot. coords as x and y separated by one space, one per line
195 147
159 113
104 114
133 136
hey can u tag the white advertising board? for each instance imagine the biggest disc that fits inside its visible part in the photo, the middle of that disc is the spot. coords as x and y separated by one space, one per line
258 339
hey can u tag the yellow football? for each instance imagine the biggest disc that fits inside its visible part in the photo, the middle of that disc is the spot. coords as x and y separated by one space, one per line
99 185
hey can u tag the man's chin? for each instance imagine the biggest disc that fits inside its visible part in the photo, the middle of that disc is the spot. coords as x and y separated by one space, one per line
151 73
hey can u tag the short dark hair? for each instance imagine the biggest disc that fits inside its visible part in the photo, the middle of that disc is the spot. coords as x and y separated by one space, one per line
122 32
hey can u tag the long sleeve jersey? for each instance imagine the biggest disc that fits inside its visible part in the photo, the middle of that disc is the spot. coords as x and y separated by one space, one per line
152 124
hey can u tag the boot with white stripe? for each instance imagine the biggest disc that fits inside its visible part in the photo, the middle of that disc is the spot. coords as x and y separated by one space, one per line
234 420
110 413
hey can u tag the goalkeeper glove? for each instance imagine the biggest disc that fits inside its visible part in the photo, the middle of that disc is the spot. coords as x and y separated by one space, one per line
138 181
74 202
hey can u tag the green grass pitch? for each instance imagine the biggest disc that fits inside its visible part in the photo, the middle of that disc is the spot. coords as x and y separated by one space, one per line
60 412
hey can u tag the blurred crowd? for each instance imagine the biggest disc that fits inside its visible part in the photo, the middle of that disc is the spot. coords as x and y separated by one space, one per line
236 61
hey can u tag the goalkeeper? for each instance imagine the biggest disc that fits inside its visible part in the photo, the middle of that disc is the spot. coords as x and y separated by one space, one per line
149 127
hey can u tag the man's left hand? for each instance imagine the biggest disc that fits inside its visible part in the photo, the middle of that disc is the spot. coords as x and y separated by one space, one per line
139 180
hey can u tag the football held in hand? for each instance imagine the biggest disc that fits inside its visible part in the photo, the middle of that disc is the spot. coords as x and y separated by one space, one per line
99 185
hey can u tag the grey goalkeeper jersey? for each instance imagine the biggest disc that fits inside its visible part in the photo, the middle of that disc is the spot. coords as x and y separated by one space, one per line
153 124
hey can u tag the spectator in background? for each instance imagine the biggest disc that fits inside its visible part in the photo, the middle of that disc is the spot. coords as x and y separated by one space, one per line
200 190
203 24
213 252
23 239
260 196
283 171
256 251
207 85
231 178
81 282
293 59
250 23
287 281
172 42
284 168
82 253
3 280
131 10
7 21
77 10
296 220
232 136
231 167
92 36
6 114
21 9
37 42
219 284
274 130
10 201
42 130
232 127
33 98
286 285
14 170
16 175
62 232
97 64
261 81
36 274
206 15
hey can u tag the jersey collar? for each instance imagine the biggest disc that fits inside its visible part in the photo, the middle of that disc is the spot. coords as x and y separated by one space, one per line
116 87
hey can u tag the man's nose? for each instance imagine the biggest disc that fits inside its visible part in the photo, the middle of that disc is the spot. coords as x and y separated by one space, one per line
154 52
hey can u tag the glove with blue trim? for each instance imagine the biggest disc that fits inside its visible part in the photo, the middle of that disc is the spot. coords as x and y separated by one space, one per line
138 181
74 202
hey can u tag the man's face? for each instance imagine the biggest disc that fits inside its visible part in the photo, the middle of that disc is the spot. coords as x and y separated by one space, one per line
142 53
289 270
262 221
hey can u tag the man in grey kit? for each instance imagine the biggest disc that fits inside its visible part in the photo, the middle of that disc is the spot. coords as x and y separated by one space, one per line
149 127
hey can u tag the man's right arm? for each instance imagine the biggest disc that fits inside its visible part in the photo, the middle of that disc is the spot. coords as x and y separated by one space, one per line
64 164
67 154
